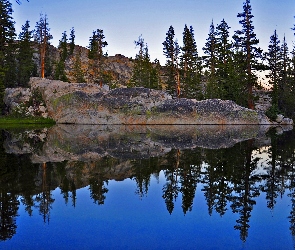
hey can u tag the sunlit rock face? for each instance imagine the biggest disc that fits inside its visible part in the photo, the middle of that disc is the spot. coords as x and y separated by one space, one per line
91 104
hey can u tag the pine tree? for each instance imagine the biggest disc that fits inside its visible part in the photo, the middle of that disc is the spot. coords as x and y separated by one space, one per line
42 37
72 41
138 74
171 51
287 86
228 87
7 48
247 52
288 100
155 78
210 50
95 54
274 60
284 69
190 66
285 96
144 73
78 72
26 65
7 44
60 73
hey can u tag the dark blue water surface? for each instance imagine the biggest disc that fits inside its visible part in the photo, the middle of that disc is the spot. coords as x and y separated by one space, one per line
236 197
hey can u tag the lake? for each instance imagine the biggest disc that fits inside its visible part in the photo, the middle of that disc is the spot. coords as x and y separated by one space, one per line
147 187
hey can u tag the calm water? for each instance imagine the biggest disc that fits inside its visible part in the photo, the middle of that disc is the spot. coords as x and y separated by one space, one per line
96 187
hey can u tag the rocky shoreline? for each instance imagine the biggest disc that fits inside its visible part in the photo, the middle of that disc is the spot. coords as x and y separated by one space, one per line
81 103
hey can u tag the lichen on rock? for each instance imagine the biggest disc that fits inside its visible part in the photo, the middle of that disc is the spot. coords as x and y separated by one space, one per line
82 103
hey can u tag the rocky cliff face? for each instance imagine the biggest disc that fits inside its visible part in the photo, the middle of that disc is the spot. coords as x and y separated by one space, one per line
118 67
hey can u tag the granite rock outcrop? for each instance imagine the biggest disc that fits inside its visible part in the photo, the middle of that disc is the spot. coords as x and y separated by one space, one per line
86 103
81 103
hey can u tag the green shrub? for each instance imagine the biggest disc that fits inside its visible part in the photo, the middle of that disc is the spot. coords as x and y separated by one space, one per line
272 112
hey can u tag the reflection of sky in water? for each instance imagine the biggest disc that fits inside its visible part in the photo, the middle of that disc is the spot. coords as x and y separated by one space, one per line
129 219
262 165
126 221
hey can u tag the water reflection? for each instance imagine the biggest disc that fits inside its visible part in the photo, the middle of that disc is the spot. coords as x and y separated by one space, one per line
232 166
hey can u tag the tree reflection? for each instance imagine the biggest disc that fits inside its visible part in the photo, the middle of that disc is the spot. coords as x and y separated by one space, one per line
244 190
216 178
189 172
142 169
171 188
285 157
272 183
67 185
98 190
8 212
292 212
44 199
226 177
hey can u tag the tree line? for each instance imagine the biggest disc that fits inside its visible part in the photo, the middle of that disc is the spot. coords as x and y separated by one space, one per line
226 71
30 53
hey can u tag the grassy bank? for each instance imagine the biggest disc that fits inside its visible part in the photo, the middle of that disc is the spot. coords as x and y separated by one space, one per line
14 122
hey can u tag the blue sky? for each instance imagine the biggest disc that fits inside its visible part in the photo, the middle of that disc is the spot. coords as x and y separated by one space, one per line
123 21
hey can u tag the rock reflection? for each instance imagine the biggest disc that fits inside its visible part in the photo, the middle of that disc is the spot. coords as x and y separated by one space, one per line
88 143
228 163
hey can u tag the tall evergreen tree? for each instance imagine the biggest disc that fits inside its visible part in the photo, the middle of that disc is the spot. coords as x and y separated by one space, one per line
7 35
190 66
155 76
42 37
171 51
72 41
60 73
229 87
138 74
287 96
210 51
223 43
274 60
26 65
247 51
78 72
96 45
284 70
144 73
11 65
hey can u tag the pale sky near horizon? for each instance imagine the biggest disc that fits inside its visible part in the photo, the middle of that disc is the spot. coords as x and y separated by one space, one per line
123 21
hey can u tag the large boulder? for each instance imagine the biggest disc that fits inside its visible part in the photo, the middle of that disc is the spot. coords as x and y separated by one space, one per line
82 103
